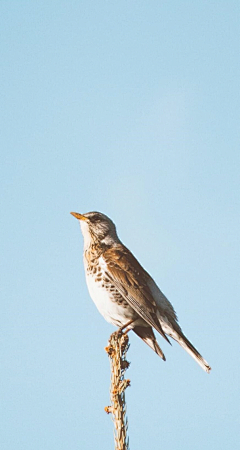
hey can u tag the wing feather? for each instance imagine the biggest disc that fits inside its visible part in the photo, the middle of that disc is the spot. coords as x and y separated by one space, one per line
129 277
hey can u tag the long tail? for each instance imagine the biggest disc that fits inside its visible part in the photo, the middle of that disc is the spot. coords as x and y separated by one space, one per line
147 335
187 345
179 337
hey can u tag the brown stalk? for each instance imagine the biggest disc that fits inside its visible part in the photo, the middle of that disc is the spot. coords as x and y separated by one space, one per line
117 350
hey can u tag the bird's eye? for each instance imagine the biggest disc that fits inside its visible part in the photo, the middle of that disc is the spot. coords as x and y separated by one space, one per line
95 219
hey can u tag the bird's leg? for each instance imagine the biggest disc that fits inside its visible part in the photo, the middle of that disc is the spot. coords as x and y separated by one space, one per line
120 330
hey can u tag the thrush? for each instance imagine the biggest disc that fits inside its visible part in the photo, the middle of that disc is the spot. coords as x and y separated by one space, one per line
124 293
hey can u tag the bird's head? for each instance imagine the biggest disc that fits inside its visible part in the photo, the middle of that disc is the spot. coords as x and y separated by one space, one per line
96 227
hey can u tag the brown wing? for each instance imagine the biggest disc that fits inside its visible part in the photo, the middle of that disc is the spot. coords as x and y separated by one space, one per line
129 277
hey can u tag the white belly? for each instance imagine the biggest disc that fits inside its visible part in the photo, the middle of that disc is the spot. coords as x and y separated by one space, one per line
112 312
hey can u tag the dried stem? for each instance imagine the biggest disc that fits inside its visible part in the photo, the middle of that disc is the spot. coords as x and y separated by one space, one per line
117 350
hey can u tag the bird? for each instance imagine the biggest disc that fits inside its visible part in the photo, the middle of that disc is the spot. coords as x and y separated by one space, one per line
123 291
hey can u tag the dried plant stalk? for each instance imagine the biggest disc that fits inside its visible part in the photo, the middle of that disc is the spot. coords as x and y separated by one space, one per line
117 350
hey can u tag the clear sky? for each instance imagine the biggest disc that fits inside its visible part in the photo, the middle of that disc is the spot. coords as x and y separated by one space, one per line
130 108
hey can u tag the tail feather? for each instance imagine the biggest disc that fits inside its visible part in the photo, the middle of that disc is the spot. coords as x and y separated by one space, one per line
187 345
175 332
147 335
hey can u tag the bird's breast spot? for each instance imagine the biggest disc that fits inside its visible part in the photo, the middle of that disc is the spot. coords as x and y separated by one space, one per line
112 310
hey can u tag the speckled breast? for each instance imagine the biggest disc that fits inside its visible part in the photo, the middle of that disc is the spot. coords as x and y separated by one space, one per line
108 300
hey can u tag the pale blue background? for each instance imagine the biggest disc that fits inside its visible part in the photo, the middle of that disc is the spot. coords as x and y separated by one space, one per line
130 108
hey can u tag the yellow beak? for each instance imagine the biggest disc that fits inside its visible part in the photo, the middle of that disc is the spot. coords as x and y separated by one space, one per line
79 216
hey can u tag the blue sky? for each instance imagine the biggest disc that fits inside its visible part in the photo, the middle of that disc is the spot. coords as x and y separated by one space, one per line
131 109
